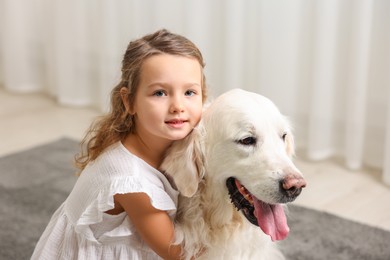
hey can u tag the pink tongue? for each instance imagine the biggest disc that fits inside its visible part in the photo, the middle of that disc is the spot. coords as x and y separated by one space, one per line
271 219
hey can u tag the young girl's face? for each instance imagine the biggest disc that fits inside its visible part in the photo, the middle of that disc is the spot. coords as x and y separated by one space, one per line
168 103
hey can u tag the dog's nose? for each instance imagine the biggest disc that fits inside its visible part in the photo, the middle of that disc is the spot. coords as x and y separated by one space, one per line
292 185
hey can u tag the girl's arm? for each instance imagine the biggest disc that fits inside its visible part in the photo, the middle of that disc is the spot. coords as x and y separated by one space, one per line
154 226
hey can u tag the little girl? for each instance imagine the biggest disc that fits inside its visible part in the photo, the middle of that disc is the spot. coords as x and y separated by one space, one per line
122 207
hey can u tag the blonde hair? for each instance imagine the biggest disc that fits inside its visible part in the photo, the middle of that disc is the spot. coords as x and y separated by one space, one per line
118 123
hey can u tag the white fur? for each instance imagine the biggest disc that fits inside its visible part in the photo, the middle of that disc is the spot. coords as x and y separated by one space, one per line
207 222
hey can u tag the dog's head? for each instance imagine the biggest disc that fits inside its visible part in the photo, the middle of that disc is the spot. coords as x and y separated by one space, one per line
247 145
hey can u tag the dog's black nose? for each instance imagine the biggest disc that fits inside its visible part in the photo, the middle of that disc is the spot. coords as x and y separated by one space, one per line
292 185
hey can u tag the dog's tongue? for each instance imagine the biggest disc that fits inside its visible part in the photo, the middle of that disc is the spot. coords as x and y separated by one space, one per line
271 219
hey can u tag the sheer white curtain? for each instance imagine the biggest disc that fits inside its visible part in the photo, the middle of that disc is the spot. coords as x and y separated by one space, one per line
325 63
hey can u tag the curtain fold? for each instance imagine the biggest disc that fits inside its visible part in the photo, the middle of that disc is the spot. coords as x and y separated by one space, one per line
324 63
357 84
323 85
386 164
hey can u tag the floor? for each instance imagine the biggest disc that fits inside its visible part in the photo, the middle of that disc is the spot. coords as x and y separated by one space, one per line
27 120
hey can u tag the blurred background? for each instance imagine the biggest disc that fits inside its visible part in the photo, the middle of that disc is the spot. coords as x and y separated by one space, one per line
325 63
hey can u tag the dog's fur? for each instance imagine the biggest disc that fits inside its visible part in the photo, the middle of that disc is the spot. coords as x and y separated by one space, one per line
208 224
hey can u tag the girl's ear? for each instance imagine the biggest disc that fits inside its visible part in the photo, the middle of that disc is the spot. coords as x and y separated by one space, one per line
125 99
184 162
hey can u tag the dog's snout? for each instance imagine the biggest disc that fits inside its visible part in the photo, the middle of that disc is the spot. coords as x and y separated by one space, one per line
292 185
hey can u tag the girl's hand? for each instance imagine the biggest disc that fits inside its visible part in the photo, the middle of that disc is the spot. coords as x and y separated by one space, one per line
154 226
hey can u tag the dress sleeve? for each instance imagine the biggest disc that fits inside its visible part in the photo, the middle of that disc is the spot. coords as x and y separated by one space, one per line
130 184
104 200
114 172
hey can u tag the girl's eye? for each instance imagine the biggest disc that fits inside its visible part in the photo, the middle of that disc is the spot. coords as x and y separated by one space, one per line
159 93
190 93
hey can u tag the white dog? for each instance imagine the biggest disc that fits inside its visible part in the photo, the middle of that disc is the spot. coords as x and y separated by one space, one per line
233 172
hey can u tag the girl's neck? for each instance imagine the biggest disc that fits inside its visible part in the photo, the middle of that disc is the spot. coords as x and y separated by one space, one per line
148 150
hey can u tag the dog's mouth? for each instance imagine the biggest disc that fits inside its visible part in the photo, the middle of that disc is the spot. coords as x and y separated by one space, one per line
269 217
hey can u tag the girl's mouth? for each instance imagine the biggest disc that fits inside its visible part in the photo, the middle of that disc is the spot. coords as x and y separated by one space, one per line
176 123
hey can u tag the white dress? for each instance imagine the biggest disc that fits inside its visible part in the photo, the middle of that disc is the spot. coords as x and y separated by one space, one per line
80 229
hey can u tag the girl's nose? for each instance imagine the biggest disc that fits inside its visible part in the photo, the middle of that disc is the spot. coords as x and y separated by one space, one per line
177 105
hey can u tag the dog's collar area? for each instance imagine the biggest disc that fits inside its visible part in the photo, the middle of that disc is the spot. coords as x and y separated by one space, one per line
240 202
170 180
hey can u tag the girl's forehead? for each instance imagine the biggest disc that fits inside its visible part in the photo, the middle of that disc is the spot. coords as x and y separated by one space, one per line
167 67
169 59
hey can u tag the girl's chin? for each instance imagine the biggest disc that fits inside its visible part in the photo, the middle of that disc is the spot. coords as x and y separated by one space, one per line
178 136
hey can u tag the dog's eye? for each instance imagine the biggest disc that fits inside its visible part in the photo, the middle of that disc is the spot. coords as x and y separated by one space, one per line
284 136
247 141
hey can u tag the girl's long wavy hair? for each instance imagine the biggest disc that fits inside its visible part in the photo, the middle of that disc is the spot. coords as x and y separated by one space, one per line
118 123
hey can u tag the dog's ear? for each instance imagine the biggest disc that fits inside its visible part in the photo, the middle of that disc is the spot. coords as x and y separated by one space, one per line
184 162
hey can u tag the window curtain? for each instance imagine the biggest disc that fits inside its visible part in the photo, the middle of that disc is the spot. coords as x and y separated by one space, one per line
325 63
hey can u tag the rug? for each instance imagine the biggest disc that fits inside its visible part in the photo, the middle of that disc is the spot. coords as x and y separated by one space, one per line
34 183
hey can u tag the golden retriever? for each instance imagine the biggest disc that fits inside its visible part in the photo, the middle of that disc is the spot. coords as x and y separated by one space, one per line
234 172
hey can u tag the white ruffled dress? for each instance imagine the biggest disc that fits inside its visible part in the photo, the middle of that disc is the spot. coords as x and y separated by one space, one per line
80 229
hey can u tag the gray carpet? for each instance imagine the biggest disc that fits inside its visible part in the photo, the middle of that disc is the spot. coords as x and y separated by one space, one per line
35 182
